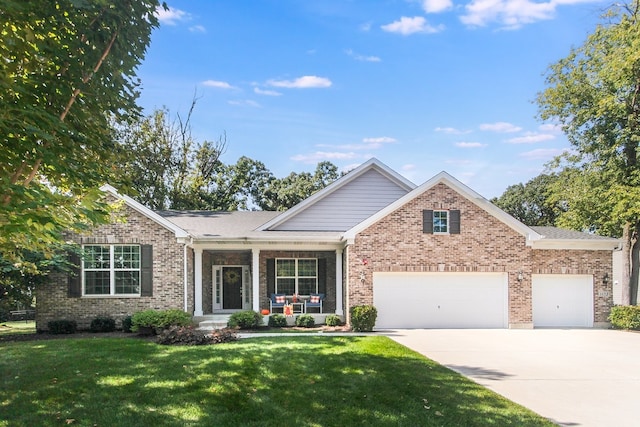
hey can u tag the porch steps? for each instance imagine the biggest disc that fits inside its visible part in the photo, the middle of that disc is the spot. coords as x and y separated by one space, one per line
212 321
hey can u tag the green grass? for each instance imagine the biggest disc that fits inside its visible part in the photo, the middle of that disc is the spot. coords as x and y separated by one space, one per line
282 381
18 327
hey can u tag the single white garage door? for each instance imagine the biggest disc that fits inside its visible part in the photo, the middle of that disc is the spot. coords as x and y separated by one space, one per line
440 300
562 300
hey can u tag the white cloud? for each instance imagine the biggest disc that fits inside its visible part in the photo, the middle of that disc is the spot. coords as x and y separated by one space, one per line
324 155
171 16
500 127
303 82
511 14
198 29
368 144
463 144
217 84
542 153
531 138
549 127
436 6
380 140
407 26
364 58
409 167
452 131
244 103
266 92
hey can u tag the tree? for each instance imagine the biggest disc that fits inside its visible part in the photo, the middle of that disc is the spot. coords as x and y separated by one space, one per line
594 93
529 203
66 68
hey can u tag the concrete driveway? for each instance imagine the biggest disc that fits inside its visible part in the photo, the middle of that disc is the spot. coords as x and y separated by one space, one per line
574 377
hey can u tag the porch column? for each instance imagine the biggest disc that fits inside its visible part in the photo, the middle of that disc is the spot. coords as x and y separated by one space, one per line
198 281
339 309
255 279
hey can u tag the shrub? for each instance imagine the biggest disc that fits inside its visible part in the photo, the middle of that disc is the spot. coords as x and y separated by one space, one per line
247 319
103 324
156 320
188 335
363 317
625 317
333 320
305 321
127 324
62 326
277 320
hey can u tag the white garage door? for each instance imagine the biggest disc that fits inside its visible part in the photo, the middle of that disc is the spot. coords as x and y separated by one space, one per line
440 300
562 300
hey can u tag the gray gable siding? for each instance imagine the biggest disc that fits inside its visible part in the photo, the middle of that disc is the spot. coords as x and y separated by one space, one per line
347 206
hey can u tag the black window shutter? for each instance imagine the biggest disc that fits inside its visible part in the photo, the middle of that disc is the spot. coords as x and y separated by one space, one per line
75 276
427 221
322 276
146 270
271 277
454 222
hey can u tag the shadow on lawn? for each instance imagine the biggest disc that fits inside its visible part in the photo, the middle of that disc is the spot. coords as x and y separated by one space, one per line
292 381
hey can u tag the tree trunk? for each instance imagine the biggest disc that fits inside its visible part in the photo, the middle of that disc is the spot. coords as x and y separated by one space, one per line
635 265
626 264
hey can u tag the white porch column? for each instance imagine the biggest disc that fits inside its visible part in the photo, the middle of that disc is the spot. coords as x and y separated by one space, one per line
339 307
255 278
198 281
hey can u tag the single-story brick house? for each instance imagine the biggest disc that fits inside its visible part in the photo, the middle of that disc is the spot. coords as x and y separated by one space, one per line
437 255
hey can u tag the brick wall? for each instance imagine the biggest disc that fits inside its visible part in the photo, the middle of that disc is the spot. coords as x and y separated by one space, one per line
396 243
168 278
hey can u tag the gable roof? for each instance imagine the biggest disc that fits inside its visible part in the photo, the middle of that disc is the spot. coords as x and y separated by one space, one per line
179 232
450 181
358 194
554 237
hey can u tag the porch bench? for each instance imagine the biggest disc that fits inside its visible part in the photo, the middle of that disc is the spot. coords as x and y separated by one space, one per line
22 314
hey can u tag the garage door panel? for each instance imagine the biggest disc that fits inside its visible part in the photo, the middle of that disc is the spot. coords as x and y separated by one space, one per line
562 300
440 300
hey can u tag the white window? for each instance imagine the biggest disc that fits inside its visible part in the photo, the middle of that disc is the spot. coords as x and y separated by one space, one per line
111 270
296 276
440 221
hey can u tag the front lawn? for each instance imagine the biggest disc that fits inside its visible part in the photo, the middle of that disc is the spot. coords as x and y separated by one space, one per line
281 381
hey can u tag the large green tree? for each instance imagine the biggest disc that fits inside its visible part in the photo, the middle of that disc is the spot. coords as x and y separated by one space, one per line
67 67
594 94
530 203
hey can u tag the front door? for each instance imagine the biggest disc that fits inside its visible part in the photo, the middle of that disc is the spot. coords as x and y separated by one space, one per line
231 288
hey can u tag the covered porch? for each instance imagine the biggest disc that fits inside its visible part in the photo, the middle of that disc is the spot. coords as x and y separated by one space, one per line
229 278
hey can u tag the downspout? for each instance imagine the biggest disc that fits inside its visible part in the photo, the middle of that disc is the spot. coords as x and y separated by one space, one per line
185 279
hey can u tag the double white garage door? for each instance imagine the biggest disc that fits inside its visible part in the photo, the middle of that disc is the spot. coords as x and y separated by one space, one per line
477 300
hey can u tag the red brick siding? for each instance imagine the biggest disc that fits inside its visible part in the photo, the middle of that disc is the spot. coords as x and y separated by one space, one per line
168 277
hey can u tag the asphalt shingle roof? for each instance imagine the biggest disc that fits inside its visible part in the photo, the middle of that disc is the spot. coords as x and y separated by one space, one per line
564 234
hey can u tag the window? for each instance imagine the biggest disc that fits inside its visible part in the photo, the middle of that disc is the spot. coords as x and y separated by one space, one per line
440 222
296 276
111 270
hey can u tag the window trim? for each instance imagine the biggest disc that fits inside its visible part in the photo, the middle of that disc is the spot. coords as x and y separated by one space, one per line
446 219
112 271
296 275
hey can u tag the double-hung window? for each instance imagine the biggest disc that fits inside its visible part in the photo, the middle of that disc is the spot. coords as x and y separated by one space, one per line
111 270
440 221
296 276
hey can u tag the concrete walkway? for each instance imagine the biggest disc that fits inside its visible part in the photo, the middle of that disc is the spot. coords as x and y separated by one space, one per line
579 377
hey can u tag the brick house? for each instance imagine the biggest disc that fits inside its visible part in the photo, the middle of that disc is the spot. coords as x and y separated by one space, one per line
437 255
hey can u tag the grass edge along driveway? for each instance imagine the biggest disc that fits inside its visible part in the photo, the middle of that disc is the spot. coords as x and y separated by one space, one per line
283 381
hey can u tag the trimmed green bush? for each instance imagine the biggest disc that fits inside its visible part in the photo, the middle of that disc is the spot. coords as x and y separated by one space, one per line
333 320
305 321
247 319
363 317
103 324
62 326
625 317
157 320
277 320
127 324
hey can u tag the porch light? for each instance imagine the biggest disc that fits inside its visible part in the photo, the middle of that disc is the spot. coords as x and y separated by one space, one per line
605 278
362 277
520 276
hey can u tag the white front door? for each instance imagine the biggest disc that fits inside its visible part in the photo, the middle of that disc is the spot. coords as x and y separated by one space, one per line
231 287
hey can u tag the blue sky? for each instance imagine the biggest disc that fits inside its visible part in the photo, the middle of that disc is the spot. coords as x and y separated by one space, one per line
424 86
